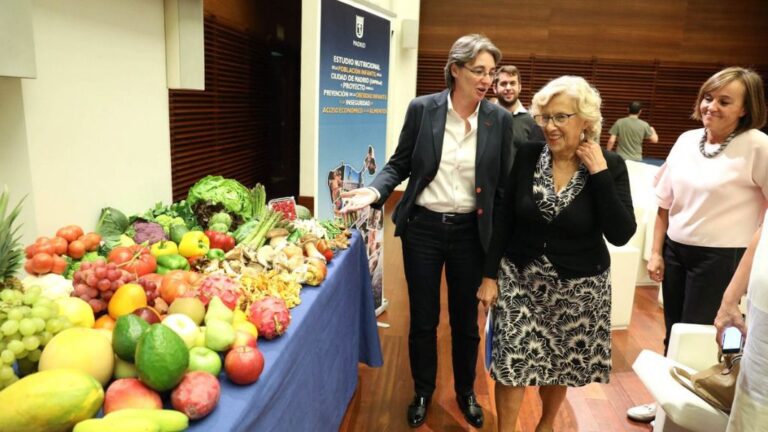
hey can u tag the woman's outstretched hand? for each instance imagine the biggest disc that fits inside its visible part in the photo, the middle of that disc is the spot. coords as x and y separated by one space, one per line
357 199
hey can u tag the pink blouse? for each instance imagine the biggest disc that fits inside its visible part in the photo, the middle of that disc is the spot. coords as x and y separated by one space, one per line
717 202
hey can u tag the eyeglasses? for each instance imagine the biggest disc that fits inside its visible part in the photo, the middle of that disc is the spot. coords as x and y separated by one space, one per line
557 119
480 72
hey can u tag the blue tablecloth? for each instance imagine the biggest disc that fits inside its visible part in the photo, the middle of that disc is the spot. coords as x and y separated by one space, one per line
310 372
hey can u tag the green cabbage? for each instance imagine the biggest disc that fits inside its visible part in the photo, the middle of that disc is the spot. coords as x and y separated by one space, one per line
230 193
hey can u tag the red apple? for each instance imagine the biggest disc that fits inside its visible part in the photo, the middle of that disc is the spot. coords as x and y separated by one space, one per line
130 393
243 338
196 395
148 314
244 364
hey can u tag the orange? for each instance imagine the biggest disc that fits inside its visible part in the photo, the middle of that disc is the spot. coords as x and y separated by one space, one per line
104 322
127 299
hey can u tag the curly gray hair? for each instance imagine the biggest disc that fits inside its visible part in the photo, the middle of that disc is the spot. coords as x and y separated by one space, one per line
587 100
465 49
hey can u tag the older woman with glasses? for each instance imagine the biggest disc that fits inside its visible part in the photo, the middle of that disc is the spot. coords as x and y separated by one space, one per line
552 301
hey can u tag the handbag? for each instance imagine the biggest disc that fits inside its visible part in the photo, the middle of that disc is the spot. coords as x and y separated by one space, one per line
716 385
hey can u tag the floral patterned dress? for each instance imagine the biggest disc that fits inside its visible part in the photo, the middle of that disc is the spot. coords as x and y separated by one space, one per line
550 330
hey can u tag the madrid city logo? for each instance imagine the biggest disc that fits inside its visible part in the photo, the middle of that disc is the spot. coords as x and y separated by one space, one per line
359 23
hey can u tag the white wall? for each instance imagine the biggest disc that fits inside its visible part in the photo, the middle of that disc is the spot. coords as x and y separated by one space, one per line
402 81
92 130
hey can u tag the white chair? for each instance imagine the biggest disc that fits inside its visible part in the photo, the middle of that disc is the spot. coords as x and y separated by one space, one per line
692 347
624 261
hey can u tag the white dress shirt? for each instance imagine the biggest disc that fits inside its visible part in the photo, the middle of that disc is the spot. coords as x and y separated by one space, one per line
453 188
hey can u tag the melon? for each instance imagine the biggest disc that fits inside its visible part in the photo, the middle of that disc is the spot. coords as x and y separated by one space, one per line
80 348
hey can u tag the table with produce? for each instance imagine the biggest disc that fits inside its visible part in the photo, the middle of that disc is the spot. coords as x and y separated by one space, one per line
219 312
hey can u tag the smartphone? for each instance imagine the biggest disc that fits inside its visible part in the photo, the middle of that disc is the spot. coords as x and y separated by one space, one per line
732 340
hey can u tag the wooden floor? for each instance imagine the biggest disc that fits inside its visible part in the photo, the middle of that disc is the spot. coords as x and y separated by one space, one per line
383 394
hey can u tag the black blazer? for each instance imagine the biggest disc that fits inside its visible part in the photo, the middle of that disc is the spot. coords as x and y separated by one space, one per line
572 241
418 153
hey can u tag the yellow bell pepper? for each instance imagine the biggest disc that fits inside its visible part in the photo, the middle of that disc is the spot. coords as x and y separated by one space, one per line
164 247
194 243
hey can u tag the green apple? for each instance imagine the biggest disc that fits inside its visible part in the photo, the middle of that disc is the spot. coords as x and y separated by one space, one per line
183 326
219 335
200 339
124 369
217 310
205 360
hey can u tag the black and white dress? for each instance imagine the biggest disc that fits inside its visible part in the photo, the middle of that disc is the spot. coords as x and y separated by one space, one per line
550 330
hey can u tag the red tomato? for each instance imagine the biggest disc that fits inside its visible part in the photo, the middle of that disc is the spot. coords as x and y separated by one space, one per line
30 250
28 267
46 247
76 249
60 245
42 263
134 259
59 265
92 240
70 232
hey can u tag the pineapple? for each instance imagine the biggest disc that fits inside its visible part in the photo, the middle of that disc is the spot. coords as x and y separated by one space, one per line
11 254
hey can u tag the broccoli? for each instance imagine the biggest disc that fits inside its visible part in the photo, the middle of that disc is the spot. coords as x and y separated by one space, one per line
167 222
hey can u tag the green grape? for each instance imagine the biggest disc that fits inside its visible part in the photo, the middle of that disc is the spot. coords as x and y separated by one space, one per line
44 302
39 324
7 357
41 312
27 327
6 373
7 295
16 314
31 342
35 289
34 356
9 327
30 298
26 309
16 347
45 337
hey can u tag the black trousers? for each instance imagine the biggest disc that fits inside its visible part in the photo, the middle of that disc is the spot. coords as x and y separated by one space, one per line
695 279
429 244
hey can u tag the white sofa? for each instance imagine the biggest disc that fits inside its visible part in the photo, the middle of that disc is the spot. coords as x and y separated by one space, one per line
693 347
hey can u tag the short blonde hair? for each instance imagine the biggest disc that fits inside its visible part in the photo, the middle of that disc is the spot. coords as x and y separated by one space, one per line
587 100
754 96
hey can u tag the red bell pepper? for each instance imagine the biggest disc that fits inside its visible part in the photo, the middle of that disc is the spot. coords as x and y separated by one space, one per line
220 240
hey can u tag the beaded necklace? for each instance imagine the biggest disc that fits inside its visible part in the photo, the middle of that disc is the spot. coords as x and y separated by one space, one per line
719 149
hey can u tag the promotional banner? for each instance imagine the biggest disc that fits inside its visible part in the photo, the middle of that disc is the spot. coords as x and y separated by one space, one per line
352 123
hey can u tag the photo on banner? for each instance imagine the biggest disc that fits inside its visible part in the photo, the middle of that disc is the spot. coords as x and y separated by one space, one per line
352 118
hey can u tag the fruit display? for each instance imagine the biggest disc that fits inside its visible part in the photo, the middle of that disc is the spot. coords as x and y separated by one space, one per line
124 317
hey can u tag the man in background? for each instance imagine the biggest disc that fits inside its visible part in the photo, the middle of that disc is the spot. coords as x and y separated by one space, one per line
508 87
630 132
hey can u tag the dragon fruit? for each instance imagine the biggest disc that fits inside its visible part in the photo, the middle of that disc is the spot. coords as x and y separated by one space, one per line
222 287
270 316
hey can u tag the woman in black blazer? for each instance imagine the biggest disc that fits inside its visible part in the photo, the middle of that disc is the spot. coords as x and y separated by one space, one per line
552 303
455 149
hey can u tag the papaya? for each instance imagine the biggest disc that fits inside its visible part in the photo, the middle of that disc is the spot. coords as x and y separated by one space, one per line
52 400
168 420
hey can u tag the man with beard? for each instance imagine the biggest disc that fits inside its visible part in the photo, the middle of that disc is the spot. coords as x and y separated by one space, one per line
508 95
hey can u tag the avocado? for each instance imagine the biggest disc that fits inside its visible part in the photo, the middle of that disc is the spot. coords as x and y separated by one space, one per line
161 358
126 334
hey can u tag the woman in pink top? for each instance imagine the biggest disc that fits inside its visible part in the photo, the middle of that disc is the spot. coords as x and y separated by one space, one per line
712 193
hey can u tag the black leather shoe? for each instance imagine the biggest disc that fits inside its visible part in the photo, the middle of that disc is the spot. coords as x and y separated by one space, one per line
473 412
417 411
